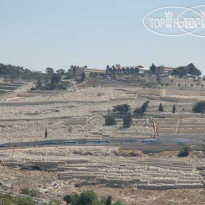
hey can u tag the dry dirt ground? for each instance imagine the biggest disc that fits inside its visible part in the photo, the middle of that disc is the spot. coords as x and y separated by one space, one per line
128 195
78 113
50 186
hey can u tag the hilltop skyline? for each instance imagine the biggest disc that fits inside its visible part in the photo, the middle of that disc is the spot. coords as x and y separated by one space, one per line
55 34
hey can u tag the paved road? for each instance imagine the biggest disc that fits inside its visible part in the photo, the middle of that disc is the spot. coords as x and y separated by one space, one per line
126 143
70 142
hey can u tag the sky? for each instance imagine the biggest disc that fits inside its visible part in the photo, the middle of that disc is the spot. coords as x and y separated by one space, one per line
37 34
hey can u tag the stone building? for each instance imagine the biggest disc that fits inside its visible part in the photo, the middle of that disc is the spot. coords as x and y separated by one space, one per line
77 71
129 69
163 70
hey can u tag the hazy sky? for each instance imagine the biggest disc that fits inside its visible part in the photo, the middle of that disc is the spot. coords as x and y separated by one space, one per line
57 33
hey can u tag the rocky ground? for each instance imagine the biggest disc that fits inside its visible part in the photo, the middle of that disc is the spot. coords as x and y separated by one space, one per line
49 186
78 113
25 115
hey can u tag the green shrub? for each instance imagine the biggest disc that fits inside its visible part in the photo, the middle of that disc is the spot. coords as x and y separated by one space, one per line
88 198
127 120
55 202
118 203
139 112
122 109
5 201
110 120
160 108
184 70
67 199
174 109
199 107
29 192
82 77
184 152
8 200
109 200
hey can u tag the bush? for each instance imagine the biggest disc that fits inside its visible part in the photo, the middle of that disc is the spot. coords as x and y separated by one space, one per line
199 107
144 106
118 203
82 77
67 199
109 200
160 109
88 198
110 120
140 111
62 86
55 202
184 152
9 200
29 192
122 109
185 70
174 109
127 120
5 201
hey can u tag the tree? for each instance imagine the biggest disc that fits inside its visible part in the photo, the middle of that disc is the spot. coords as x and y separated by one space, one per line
118 203
39 84
144 106
82 76
55 79
160 109
67 199
139 112
136 70
74 198
192 70
60 71
122 109
185 70
199 107
174 108
109 200
16 72
50 71
184 152
127 120
107 69
153 68
46 133
87 198
110 120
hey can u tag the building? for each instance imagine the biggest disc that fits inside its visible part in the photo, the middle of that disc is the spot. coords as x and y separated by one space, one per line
129 69
163 70
94 70
77 71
